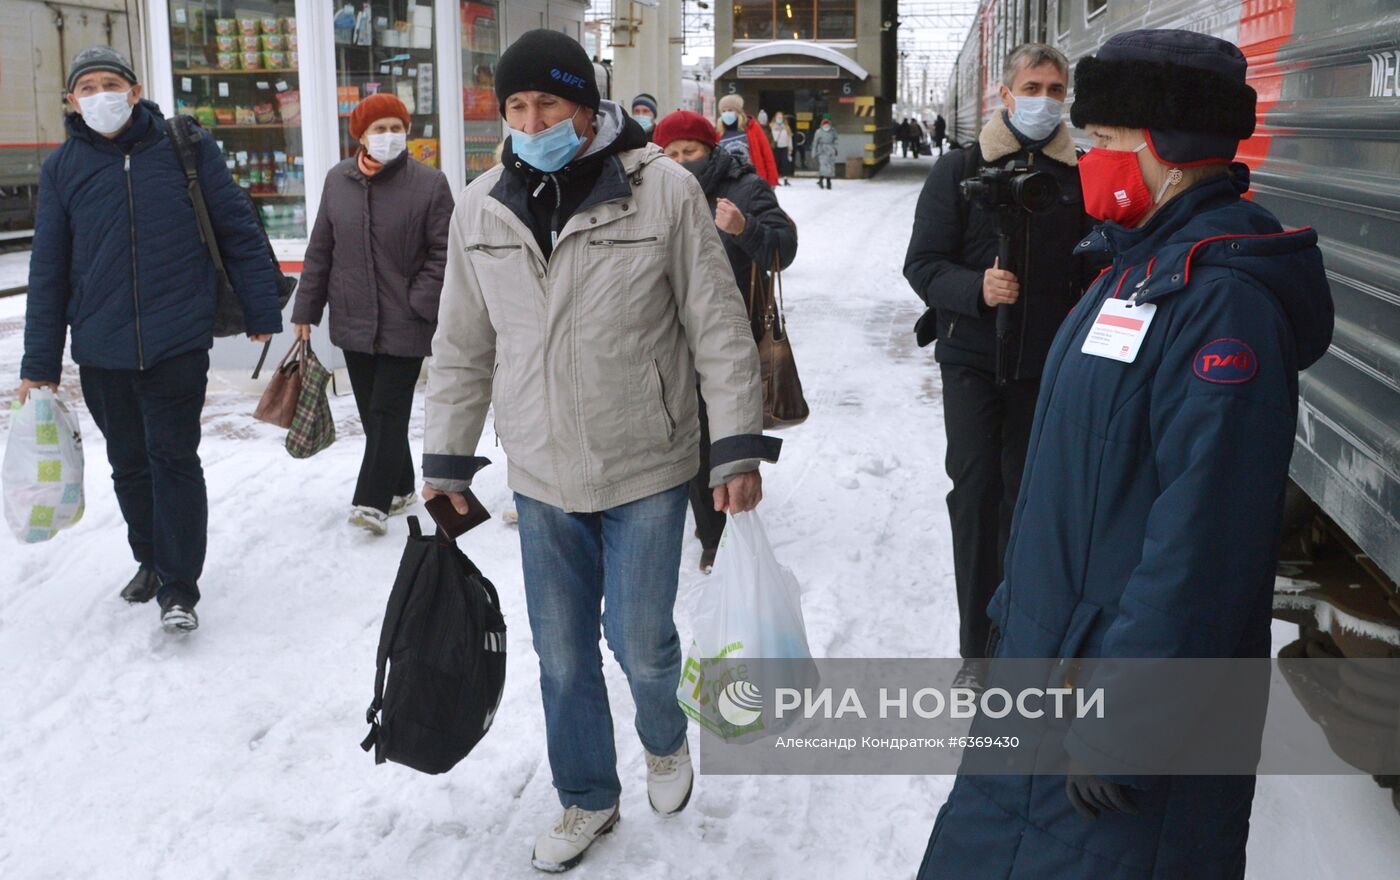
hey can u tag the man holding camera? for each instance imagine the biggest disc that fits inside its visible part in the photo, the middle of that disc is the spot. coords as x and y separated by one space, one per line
963 270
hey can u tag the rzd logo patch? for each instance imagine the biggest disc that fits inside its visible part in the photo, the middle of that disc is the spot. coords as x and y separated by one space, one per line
1225 361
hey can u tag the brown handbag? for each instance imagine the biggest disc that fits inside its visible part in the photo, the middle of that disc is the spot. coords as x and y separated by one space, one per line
278 404
783 403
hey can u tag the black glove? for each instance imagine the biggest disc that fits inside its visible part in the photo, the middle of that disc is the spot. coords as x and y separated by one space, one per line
1091 795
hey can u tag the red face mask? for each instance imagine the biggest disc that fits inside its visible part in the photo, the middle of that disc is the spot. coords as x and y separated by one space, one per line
1113 186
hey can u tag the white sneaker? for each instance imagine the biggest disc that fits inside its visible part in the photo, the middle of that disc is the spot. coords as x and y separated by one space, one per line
563 846
402 503
373 521
670 779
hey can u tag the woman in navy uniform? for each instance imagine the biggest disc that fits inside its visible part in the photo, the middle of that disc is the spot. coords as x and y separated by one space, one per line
1150 508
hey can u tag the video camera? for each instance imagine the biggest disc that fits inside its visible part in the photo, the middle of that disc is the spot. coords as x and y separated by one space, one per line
1011 194
997 189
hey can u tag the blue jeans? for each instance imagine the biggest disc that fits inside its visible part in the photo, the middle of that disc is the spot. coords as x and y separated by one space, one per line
627 559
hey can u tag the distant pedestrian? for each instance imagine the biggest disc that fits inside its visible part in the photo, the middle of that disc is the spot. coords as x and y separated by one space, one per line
825 150
782 146
940 131
644 112
376 257
744 137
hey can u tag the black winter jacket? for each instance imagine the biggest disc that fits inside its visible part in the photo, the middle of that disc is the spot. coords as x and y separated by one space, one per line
945 262
768 230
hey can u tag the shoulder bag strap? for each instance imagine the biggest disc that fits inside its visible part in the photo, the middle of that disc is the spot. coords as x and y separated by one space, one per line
186 147
775 296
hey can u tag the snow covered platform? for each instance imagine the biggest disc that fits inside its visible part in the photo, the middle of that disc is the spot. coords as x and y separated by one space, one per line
235 752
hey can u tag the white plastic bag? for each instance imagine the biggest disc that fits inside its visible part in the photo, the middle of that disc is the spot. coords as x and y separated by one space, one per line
749 608
43 469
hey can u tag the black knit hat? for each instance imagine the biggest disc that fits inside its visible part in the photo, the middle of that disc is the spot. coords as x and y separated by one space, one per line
100 58
1187 89
547 61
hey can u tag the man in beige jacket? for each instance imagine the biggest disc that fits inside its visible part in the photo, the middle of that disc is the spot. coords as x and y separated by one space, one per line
585 289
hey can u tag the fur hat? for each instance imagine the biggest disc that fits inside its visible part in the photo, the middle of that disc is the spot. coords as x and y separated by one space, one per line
1187 89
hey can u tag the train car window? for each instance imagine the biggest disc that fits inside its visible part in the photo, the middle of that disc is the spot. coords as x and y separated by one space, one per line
1093 7
1062 13
753 19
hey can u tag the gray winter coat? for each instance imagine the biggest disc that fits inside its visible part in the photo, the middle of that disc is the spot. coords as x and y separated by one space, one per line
824 150
377 256
590 358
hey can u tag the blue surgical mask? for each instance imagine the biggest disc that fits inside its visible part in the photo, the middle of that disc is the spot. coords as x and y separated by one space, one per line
729 117
646 122
549 150
1037 118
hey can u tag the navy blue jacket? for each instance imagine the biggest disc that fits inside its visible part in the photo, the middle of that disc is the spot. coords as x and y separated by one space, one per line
1148 525
117 254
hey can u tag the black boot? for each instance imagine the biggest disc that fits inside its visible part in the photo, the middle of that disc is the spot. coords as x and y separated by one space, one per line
142 588
177 617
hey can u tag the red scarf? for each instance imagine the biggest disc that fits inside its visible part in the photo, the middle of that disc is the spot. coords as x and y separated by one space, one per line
369 166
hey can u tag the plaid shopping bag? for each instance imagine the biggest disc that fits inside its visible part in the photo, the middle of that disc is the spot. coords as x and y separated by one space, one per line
313 427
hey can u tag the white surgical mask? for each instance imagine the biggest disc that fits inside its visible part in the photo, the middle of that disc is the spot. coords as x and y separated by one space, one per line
386 145
1037 118
729 117
106 112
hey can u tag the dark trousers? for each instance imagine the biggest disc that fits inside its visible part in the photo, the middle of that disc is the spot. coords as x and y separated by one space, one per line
988 429
150 419
783 156
709 523
383 386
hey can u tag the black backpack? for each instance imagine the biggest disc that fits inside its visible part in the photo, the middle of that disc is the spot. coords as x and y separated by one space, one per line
444 641
186 133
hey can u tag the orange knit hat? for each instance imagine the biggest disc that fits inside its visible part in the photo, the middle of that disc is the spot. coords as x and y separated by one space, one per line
376 106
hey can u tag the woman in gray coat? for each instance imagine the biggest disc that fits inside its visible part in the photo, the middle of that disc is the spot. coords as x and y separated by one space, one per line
377 256
824 150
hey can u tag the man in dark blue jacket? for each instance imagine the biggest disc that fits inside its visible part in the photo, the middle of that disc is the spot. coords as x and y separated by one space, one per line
1150 509
118 257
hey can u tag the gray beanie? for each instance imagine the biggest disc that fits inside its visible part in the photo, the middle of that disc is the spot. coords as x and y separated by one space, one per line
100 58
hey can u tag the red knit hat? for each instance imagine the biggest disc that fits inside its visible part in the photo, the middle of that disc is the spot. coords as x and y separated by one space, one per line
376 106
685 125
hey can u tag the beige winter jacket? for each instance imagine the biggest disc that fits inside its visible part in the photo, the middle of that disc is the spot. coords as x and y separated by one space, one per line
590 358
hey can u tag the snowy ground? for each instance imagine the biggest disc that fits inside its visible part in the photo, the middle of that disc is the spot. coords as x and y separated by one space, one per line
234 752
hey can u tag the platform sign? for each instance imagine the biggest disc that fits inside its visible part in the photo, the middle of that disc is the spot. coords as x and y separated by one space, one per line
788 71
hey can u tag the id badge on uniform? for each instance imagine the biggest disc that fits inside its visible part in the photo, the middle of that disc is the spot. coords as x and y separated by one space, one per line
1118 331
